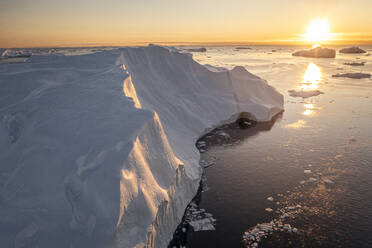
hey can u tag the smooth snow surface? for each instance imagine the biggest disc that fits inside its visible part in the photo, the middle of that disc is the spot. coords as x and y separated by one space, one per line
98 150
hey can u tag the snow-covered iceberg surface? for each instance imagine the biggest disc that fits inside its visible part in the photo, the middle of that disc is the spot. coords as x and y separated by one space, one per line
352 50
317 52
99 150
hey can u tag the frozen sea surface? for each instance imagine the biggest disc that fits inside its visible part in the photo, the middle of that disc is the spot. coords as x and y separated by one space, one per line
314 163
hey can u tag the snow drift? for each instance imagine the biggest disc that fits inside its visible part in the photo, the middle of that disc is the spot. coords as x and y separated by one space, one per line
99 150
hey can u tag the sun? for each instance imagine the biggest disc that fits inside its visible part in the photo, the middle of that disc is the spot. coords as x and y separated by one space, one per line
318 31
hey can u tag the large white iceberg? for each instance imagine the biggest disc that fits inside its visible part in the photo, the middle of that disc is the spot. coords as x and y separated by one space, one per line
99 150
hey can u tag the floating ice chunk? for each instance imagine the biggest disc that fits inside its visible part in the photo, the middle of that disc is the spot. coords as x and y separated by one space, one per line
243 48
328 181
355 63
318 52
270 198
304 93
8 53
202 225
200 50
285 216
352 50
307 171
287 227
269 210
338 156
313 180
353 75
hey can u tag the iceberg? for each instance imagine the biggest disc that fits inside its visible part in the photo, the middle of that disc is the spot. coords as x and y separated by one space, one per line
353 75
200 50
304 93
8 53
317 52
98 150
355 63
353 49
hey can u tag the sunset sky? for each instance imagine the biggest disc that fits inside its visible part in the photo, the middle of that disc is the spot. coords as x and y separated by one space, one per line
27 23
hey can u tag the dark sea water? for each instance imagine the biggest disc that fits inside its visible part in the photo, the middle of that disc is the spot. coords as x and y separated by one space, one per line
315 160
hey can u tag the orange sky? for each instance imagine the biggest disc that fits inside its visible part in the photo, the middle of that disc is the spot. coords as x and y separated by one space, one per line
28 23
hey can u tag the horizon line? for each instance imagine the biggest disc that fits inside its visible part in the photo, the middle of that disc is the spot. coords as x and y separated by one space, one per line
198 43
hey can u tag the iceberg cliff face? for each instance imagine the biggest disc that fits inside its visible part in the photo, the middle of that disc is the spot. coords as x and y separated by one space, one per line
99 150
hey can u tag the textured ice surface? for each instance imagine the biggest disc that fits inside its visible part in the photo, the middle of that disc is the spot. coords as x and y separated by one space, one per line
98 150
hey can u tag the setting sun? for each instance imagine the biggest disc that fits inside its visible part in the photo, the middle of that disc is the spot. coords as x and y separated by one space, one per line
318 30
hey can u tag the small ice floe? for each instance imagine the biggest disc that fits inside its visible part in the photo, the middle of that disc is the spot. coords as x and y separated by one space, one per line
302 182
309 165
317 52
353 75
328 181
270 198
285 216
338 156
8 53
355 63
304 93
313 180
353 49
198 218
243 48
307 171
269 210
200 50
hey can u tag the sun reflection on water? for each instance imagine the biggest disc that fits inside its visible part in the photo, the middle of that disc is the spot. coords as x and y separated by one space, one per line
309 109
312 77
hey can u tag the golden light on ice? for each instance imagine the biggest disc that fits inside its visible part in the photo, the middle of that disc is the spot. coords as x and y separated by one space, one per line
318 30
312 77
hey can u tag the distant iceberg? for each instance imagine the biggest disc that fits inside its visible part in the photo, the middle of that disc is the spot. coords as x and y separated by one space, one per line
318 52
200 50
98 150
355 63
356 75
304 94
8 53
353 49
